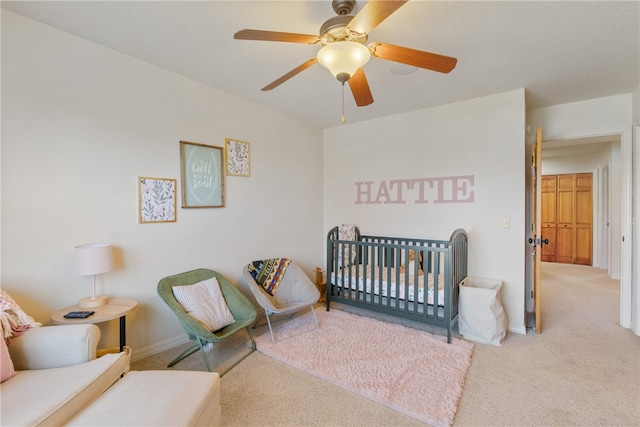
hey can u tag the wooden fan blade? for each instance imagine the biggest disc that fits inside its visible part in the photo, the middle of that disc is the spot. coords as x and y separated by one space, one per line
275 36
417 58
360 88
372 14
290 74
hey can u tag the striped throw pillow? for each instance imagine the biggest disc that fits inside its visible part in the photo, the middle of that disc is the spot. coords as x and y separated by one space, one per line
204 301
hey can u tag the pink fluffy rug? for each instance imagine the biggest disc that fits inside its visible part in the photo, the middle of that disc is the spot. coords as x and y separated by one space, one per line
411 371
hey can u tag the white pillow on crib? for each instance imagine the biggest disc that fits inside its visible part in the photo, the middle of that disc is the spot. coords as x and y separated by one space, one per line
204 302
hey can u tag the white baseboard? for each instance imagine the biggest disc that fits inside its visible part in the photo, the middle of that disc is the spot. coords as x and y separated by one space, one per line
138 354
517 329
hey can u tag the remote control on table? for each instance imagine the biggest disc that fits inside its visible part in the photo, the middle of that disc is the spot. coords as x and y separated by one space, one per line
78 314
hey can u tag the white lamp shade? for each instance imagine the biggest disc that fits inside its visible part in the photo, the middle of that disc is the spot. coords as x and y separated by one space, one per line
94 258
343 57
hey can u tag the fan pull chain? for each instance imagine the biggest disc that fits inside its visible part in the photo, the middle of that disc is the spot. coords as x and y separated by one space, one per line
343 120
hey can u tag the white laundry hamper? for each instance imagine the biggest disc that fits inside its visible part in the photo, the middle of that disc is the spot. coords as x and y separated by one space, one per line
481 317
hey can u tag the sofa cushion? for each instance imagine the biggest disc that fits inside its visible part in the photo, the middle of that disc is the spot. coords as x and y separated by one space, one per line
204 301
52 396
157 398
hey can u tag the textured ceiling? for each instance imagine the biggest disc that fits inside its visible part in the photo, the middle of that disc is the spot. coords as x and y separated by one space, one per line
559 51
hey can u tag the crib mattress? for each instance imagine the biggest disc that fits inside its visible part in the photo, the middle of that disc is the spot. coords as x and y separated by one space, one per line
381 281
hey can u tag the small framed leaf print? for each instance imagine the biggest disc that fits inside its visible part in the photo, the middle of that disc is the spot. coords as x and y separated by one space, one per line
156 200
237 153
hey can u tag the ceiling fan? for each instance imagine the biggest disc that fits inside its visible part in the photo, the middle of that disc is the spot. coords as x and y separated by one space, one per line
344 52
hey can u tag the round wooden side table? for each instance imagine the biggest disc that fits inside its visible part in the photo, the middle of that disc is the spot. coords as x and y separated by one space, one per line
114 308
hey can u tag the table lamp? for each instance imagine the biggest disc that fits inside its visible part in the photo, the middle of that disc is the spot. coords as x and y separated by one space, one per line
89 260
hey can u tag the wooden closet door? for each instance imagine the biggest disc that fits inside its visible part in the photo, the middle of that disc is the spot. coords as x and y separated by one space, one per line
565 215
584 218
549 223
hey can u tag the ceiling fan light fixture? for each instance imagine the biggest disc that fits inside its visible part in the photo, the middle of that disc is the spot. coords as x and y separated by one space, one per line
343 58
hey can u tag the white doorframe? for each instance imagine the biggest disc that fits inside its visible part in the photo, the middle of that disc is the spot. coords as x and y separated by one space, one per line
605 245
635 288
626 230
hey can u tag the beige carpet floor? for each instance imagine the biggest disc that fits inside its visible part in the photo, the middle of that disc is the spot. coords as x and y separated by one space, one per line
583 369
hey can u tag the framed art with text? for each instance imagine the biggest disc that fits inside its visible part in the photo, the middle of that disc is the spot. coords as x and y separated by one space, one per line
202 175
237 157
156 200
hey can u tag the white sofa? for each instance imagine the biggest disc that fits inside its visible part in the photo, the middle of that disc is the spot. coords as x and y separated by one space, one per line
59 381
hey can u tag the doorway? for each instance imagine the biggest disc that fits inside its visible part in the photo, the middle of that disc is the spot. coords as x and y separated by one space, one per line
600 156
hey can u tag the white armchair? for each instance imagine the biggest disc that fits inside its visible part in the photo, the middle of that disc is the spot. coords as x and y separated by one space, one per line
54 346
296 292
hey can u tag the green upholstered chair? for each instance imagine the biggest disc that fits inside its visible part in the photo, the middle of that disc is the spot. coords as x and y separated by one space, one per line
243 311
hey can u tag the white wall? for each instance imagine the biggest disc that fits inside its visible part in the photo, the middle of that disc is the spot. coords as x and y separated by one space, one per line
636 105
635 278
481 137
80 123
602 116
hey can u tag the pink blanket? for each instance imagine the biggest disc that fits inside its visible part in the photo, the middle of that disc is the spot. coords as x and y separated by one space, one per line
13 319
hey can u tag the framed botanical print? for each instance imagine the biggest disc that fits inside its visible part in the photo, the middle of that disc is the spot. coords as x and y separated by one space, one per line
156 200
237 157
